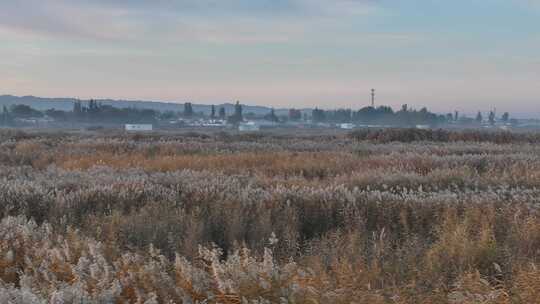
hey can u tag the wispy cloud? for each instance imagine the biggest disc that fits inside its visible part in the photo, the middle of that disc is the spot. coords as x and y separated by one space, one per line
205 20
64 18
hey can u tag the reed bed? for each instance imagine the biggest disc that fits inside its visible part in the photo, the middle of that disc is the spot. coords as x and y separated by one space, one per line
224 218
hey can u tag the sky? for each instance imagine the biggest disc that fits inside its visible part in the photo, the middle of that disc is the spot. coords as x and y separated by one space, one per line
446 55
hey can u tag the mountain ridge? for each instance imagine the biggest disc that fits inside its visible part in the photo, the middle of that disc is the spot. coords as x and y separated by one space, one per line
66 104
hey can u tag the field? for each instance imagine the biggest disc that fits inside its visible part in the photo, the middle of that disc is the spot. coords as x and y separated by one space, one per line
392 216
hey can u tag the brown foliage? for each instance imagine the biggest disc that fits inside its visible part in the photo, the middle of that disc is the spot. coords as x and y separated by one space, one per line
172 219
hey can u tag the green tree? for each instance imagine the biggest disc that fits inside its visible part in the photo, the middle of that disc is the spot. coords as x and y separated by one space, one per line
271 116
404 108
222 113
24 111
237 117
167 115
77 108
213 112
491 118
5 118
57 115
479 117
188 109
295 114
505 117
318 115
238 110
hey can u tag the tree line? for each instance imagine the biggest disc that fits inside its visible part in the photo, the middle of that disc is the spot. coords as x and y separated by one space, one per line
94 111
385 115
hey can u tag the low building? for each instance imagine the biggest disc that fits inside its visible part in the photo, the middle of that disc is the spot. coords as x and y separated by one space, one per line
138 127
346 126
248 127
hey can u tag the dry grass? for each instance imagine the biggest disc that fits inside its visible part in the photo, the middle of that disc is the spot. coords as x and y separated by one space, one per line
268 219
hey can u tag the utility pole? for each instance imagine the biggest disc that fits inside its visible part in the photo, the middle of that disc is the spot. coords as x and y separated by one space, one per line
373 98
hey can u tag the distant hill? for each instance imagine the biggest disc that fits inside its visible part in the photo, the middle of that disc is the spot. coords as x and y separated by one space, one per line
66 104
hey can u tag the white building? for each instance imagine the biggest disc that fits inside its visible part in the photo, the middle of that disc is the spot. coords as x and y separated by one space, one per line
139 127
346 126
249 126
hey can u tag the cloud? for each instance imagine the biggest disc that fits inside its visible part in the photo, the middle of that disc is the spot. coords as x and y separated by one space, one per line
204 20
62 18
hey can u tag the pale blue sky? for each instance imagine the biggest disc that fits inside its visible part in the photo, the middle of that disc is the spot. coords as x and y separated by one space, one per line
465 55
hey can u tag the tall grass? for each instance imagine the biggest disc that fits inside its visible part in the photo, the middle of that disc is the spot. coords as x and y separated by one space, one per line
267 219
